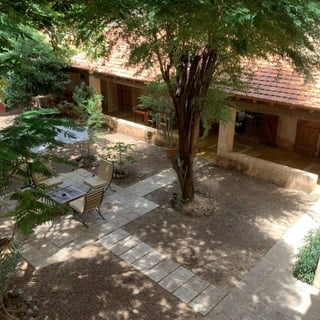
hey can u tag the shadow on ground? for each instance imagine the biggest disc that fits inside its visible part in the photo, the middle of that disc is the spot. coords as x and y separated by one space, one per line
249 217
107 286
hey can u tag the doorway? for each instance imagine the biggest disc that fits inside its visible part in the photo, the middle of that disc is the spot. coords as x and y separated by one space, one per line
125 98
307 137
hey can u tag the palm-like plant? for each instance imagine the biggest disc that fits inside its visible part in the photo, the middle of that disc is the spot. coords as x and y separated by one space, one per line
19 157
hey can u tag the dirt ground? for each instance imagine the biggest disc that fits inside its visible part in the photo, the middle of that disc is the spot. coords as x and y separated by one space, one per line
237 219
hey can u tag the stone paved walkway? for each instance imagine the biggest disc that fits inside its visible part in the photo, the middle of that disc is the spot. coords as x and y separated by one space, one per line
268 292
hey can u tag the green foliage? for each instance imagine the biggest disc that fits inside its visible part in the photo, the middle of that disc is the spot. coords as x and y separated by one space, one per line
9 258
197 44
308 257
19 143
37 70
118 153
19 158
156 96
34 207
90 104
212 109
158 100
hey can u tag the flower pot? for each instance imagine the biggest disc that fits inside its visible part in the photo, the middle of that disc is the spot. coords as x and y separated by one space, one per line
171 153
2 107
119 174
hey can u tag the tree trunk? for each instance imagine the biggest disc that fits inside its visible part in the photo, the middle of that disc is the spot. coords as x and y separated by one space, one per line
183 165
192 80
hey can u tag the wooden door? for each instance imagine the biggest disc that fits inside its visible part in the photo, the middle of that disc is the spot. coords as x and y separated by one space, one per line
269 127
125 97
104 95
307 137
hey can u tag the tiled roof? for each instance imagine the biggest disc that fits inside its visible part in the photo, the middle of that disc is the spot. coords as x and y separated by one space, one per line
281 85
116 65
268 84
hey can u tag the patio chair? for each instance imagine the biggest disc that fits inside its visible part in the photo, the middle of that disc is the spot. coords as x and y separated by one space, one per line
103 178
88 203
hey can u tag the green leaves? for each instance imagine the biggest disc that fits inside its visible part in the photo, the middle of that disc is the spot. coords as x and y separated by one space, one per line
9 258
33 208
31 129
308 257
90 104
32 68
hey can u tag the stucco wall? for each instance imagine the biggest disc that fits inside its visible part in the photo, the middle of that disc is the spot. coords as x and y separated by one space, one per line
129 128
278 174
286 134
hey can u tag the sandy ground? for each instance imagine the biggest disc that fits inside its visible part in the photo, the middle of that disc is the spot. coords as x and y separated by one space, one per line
238 219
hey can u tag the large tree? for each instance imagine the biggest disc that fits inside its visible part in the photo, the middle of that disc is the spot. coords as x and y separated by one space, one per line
15 16
200 45
33 68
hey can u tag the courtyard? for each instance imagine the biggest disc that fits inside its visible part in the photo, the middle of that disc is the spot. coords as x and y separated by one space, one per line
228 257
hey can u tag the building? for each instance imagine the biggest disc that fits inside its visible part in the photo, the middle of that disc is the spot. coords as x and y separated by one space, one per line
277 109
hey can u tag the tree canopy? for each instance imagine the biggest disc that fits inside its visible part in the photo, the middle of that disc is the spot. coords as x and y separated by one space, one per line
15 16
200 45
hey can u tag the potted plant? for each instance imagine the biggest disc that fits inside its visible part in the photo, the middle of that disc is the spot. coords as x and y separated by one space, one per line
164 119
159 102
118 155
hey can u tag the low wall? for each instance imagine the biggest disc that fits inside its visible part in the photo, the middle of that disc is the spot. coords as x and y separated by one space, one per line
281 175
129 128
135 130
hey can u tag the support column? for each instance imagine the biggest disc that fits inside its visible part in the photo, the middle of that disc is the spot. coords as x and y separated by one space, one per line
95 83
226 134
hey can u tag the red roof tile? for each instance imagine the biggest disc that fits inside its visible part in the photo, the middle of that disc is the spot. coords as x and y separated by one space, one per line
281 85
269 83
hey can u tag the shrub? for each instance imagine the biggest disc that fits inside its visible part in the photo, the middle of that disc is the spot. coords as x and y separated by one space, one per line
308 257
38 70
9 258
118 154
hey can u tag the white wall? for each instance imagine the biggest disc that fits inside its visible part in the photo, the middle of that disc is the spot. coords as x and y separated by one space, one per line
286 134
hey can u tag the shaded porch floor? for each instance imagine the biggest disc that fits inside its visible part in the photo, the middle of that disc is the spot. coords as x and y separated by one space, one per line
207 148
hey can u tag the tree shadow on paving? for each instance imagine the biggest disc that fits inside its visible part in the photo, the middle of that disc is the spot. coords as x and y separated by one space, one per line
249 216
275 293
95 284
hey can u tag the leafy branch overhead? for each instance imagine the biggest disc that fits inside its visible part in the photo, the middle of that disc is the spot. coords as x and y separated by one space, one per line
20 157
199 45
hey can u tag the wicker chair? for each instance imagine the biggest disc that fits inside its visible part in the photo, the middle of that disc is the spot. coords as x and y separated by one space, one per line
90 202
103 178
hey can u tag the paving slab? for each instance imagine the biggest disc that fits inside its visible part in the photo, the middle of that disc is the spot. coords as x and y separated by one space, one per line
207 300
136 252
142 207
124 245
153 183
99 231
175 279
112 238
148 261
162 269
60 256
129 215
191 289
30 254
64 238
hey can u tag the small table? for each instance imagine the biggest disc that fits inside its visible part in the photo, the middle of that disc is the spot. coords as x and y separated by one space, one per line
66 194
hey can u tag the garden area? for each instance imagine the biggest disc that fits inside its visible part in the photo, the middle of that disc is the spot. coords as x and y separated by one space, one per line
220 236
233 222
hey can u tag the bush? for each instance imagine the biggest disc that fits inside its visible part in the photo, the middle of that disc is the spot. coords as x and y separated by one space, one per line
308 257
9 258
37 70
